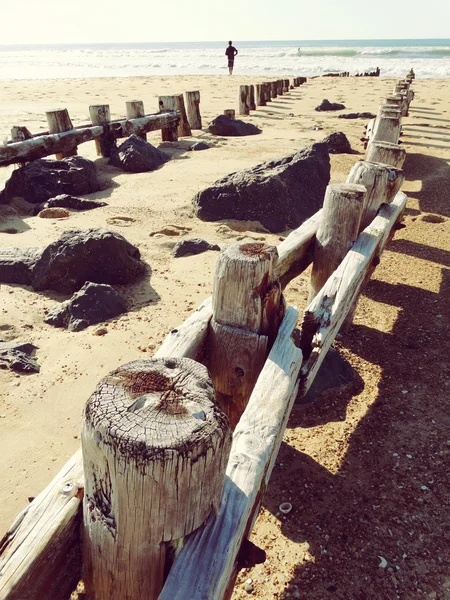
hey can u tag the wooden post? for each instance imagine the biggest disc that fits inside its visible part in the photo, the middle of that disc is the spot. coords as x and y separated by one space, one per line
266 91
19 134
280 84
155 448
389 110
286 85
251 97
260 95
100 115
248 307
135 109
230 113
386 129
273 89
382 184
243 105
193 109
388 154
58 121
176 103
338 229
395 99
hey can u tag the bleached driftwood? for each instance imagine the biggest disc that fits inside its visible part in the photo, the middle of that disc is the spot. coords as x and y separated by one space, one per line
386 129
295 252
386 154
44 145
50 525
325 314
40 555
205 566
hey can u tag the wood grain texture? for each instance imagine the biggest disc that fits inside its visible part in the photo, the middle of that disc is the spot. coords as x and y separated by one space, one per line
193 109
325 314
135 109
386 129
40 555
205 565
385 153
176 102
243 100
58 121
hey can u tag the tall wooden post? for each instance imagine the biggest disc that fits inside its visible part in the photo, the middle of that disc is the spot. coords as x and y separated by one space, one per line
193 109
251 97
260 95
176 102
135 109
279 87
248 307
386 129
155 448
58 121
273 89
243 104
382 184
386 153
100 115
338 229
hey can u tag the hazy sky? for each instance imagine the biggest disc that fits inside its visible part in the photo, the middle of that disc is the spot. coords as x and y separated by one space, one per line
71 21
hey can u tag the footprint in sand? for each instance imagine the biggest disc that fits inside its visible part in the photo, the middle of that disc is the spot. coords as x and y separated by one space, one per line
121 221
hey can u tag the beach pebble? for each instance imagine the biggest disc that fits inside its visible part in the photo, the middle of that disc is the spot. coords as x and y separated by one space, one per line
54 213
248 588
100 331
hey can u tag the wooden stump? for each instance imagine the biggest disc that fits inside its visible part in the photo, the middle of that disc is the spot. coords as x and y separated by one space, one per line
135 109
243 101
251 97
286 85
396 100
338 229
260 95
267 91
100 115
155 448
230 113
382 184
385 153
248 307
386 129
193 109
58 121
273 89
389 110
279 87
176 102
20 133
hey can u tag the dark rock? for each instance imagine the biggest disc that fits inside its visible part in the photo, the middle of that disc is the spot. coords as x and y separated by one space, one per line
362 115
280 194
17 264
338 143
191 247
222 125
43 179
97 255
135 155
94 303
17 356
68 201
327 105
200 146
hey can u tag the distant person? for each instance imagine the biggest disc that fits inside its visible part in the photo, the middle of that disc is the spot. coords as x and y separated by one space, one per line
231 53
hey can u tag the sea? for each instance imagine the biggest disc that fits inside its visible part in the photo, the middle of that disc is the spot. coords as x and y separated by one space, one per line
430 58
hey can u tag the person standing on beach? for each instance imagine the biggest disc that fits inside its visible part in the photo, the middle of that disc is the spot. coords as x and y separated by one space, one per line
231 53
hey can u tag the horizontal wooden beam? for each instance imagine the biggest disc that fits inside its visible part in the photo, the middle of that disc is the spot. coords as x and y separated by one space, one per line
40 555
295 252
46 145
326 313
205 566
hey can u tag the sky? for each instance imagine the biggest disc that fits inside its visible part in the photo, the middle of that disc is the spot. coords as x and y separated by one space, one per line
87 21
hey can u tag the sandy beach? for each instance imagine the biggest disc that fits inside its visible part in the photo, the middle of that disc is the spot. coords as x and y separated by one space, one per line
354 463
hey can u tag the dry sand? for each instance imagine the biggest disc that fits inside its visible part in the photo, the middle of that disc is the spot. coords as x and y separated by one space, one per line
354 463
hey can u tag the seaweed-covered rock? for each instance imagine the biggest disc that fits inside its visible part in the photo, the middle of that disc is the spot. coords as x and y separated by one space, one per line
135 155
96 255
191 247
280 194
43 179
338 143
223 125
94 303
327 105
17 264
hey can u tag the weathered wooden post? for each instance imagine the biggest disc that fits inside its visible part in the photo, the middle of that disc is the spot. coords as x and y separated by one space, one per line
395 100
193 109
386 153
20 133
386 129
266 89
273 89
155 448
243 104
260 95
58 121
338 229
382 184
251 97
135 109
230 113
286 85
176 102
389 110
280 85
248 307
100 115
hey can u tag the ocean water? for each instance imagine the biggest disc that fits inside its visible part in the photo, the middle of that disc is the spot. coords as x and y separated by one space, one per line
429 58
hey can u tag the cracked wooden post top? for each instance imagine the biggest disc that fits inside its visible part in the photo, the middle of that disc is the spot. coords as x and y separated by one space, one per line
155 448
386 153
248 308
59 121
